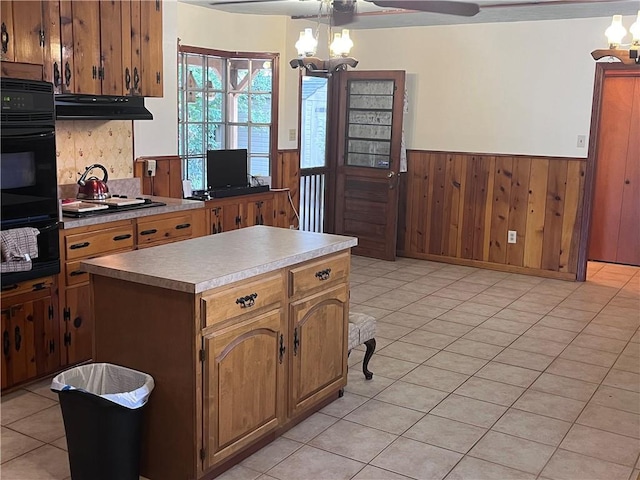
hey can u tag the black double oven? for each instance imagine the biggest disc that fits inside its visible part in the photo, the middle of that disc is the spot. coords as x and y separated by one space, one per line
28 172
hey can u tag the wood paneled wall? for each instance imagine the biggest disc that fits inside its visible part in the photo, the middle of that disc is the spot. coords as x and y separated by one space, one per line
458 207
288 176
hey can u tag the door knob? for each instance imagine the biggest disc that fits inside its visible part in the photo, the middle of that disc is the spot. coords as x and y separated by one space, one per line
391 174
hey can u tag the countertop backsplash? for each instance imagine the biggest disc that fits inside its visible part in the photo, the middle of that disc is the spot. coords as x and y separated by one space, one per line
80 143
131 187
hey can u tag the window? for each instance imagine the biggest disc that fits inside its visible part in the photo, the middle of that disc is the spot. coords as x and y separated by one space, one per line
226 101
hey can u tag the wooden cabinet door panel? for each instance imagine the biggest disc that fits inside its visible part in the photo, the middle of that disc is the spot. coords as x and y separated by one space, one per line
111 33
86 46
6 346
231 217
27 24
67 70
151 48
79 324
244 384
7 51
53 69
318 347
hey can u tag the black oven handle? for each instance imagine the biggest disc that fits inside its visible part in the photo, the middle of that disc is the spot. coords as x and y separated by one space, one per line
46 228
27 134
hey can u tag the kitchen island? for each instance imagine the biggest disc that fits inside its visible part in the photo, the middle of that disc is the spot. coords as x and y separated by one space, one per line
244 333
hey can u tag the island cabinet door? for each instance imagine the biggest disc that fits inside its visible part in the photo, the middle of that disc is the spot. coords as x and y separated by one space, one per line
318 347
77 325
244 391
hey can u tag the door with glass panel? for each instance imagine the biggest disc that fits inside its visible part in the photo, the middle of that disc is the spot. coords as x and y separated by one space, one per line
368 158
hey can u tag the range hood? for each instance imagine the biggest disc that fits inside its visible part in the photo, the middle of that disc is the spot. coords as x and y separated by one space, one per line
100 107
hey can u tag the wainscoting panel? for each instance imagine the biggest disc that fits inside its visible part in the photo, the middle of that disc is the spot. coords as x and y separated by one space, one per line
459 207
288 176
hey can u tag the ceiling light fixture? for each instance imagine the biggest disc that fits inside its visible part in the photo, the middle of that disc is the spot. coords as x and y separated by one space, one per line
339 48
615 33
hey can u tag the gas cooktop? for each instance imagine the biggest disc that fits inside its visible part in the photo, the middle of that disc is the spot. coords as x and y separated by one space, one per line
146 203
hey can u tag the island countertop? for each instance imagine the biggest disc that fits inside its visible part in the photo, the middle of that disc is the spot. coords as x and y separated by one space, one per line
203 263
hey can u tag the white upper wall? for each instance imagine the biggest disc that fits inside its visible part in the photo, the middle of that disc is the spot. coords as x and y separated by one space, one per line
514 88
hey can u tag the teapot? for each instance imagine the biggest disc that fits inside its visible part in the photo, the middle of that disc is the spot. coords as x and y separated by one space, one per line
93 188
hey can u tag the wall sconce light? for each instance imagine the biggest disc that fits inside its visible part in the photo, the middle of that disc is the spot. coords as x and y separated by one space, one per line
615 33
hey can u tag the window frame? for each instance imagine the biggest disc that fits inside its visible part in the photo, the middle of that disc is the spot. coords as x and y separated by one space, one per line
274 58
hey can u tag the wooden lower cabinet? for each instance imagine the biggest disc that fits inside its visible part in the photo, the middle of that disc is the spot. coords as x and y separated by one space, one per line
233 366
319 362
244 377
30 334
268 208
77 244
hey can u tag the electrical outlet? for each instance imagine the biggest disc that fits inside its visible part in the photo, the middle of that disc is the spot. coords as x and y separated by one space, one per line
582 140
512 236
292 134
150 168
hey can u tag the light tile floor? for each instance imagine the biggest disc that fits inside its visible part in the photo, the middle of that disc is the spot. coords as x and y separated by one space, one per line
478 375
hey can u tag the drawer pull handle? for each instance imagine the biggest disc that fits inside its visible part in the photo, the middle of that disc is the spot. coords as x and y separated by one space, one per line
76 246
149 232
296 341
18 338
122 237
323 274
75 273
183 226
248 301
282 347
6 288
6 343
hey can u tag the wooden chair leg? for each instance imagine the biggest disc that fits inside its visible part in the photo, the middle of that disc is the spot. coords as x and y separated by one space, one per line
371 347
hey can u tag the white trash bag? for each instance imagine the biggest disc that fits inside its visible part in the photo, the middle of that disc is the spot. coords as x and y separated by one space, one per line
120 385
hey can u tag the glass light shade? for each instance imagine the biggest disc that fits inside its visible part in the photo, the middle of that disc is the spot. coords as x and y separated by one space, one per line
341 45
615 32
347 43
306 44
635 31
336 46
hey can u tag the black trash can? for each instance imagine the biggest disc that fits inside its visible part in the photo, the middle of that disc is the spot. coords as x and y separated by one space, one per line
102 408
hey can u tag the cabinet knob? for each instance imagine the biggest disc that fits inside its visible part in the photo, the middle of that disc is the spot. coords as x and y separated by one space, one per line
627 182
67 74
56 75
127 79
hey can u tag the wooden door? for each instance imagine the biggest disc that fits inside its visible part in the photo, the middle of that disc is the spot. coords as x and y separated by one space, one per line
614 234
111 33
78 324
151 49
368 158
318 347
244 384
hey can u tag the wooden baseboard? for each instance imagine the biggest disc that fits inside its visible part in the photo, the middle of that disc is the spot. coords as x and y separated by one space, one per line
491 266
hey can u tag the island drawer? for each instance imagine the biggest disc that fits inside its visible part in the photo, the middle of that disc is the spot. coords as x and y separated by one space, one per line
90 244
318 274
238 300
165 229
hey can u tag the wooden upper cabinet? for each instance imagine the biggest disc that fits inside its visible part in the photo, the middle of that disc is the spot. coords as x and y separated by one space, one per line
22 35
151 48
105 47
111 36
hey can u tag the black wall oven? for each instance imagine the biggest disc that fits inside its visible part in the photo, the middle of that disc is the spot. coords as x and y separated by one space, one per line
28 171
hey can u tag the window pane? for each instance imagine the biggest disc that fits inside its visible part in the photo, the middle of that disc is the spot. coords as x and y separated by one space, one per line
259 140
259 166
195 172
195 107
314 122
238 74
215 136
238 108
261 80
261 108
195 139
215 107
238 136
215 73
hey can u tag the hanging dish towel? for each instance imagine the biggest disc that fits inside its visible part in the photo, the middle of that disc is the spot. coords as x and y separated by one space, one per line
19 246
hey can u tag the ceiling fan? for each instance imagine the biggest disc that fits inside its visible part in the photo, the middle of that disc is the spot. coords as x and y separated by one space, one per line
343 11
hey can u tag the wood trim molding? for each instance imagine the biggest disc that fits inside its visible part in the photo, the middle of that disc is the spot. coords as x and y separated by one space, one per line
496 155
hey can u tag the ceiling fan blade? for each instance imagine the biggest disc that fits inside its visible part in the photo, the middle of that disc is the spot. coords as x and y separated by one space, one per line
465 9
239 2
